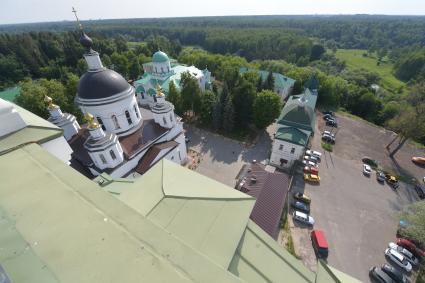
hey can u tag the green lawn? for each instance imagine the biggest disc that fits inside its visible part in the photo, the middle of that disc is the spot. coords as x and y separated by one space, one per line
355 60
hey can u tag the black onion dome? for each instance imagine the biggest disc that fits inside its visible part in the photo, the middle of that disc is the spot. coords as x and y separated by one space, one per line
86 41
103 84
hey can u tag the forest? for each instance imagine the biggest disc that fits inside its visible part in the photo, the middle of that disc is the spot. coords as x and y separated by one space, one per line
297 46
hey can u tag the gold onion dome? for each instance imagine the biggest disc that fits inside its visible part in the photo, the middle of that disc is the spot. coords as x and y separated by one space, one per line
158 91
49 100
91 123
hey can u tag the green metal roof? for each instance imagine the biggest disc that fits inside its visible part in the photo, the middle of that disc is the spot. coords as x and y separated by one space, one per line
299 111
160 57
280 81
10 94
292 135
328 274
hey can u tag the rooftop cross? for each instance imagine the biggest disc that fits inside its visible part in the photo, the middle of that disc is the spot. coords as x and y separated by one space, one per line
78 20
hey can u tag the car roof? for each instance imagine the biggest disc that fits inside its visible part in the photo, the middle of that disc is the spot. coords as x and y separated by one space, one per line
397 255
301 214
320 238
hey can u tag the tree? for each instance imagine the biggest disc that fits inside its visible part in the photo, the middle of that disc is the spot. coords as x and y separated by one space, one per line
317 50
135 69
414 215
121 64
208 101
228 116
217 115
266 108
410 123
32 96
175 98
243 98
191 93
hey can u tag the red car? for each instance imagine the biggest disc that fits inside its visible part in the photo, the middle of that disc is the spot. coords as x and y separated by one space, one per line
420 160
410 246
311 170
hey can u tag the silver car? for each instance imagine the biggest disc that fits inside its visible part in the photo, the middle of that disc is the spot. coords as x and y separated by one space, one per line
407 254
398 259
303 217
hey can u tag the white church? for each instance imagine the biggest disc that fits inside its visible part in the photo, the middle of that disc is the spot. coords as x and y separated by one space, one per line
117 139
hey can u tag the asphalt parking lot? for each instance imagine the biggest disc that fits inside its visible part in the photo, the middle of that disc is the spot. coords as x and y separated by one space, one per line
357 214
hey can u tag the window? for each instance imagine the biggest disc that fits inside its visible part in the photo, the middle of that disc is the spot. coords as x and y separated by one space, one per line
100 123
112 153
180 157
115 120
135 111
102 158
154 98
165 121
281 147
171 117
283 161
162 70
293 150
127 115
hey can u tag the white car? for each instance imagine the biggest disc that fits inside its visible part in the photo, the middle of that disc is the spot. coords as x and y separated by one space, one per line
407 254
398 259
367 169
311 158
313 153
309 163
327 133
303 218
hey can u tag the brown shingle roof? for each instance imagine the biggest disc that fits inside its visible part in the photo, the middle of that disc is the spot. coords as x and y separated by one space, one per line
146 161
270 190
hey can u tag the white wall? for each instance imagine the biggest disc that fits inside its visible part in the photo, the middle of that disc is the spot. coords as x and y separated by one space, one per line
59 148
285 153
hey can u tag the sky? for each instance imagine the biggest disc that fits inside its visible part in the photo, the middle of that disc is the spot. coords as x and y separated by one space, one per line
27 11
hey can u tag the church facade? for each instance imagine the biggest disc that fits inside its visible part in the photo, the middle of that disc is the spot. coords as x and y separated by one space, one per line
296 125
116 139
162 71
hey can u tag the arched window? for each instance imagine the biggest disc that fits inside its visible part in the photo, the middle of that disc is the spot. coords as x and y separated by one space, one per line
127 115
135 111
171 117
102 157
112 153
162 70
115 120
100 123
163 118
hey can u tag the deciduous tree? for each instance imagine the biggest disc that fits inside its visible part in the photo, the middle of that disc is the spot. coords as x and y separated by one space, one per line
267 106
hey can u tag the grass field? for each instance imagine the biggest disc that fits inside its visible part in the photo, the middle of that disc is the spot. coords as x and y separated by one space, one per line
355 60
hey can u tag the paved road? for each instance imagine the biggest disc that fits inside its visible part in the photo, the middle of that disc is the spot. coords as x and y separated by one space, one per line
222 158
358 214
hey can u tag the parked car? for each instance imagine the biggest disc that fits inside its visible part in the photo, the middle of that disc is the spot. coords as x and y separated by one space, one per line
187 139
301 206
407 254
398 259
328 139
405 243
420 191
313 153
332 123
320 245
309 163
380 176
394 273
303 218
367 170
327 116
311 158
392 180
377 275
302 197
312 178
370 161
327 112
311 169
328 133
420 160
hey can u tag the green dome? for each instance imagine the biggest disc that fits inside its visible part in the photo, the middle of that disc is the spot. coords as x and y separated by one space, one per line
160 57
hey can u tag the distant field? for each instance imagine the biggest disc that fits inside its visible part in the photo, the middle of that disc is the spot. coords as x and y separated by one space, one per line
355 60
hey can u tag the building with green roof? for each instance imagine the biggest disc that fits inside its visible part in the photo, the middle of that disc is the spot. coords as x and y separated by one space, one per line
169 225
283 85
10 94
162 71
296 124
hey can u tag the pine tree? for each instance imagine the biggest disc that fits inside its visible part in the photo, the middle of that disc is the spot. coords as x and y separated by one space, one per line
217 115
269 82
228 116
259 84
